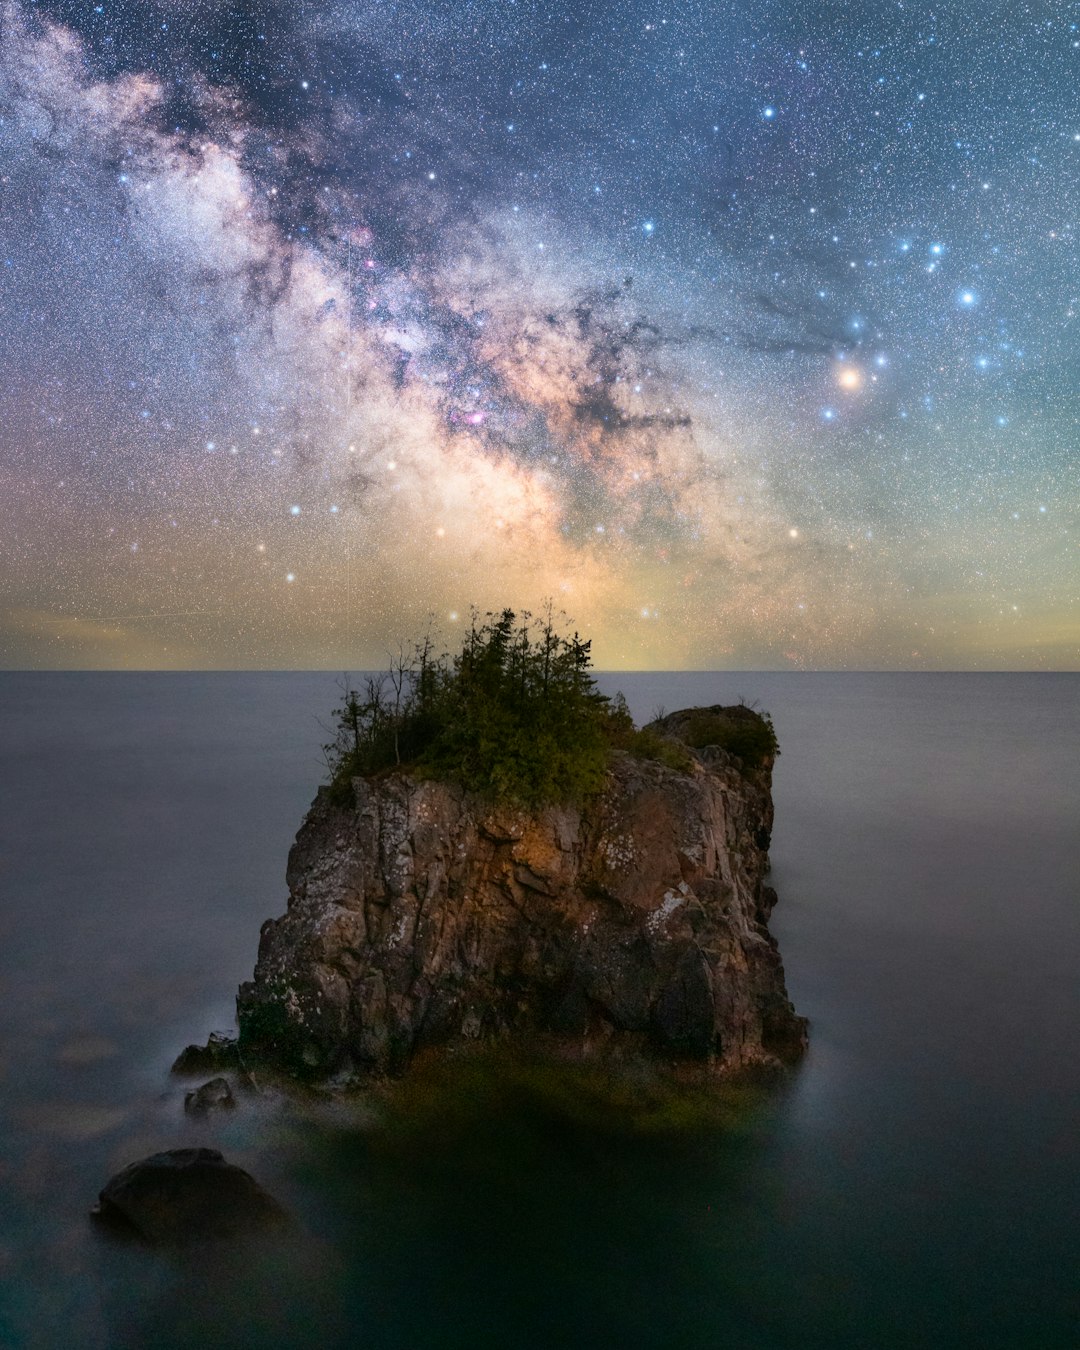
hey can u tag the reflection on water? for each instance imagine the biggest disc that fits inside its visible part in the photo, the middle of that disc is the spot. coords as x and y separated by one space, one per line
915 1184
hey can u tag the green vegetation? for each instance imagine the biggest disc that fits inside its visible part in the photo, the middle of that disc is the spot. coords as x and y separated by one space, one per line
516 716
648 743
750 734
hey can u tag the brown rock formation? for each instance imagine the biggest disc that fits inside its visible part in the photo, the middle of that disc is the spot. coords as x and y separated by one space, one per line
422 917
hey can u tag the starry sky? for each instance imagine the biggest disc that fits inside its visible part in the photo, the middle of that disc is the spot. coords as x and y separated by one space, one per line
747 333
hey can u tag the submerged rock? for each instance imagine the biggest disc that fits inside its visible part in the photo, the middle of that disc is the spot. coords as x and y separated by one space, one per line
188 1195
422 917
216 1095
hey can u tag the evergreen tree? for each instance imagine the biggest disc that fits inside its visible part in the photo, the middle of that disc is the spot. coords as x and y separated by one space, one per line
514 714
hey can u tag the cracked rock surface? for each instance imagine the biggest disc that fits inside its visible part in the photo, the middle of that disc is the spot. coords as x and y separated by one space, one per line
420 917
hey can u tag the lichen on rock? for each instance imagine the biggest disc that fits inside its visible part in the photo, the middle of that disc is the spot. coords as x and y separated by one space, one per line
423 918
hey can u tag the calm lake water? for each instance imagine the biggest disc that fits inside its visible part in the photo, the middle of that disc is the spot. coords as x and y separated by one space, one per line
917 1184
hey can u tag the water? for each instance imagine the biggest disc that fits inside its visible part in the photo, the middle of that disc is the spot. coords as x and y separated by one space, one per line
916 1184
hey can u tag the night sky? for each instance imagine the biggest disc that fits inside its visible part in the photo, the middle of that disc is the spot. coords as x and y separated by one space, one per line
747 333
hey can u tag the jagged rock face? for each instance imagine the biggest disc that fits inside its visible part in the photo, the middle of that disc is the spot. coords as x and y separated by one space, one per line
421 917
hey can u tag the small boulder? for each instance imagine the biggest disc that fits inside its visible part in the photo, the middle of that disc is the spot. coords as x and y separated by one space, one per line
216 1095
219 1052
188 1195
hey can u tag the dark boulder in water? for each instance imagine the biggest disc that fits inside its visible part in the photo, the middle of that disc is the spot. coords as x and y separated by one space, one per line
188 1195
216 1095
219 1052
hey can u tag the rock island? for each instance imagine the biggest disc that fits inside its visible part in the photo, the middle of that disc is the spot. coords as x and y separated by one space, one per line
425 916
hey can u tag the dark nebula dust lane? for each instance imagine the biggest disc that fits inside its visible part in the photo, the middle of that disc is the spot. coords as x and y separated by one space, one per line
748 334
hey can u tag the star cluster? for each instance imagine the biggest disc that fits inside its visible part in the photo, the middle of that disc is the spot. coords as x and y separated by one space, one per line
746 333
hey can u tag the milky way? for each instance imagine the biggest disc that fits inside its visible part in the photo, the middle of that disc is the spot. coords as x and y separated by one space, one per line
748 333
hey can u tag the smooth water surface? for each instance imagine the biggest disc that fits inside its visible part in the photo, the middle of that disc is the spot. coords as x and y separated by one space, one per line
917 1184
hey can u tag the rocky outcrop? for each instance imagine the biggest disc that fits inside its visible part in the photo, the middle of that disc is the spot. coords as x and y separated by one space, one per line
421 917
219 1052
